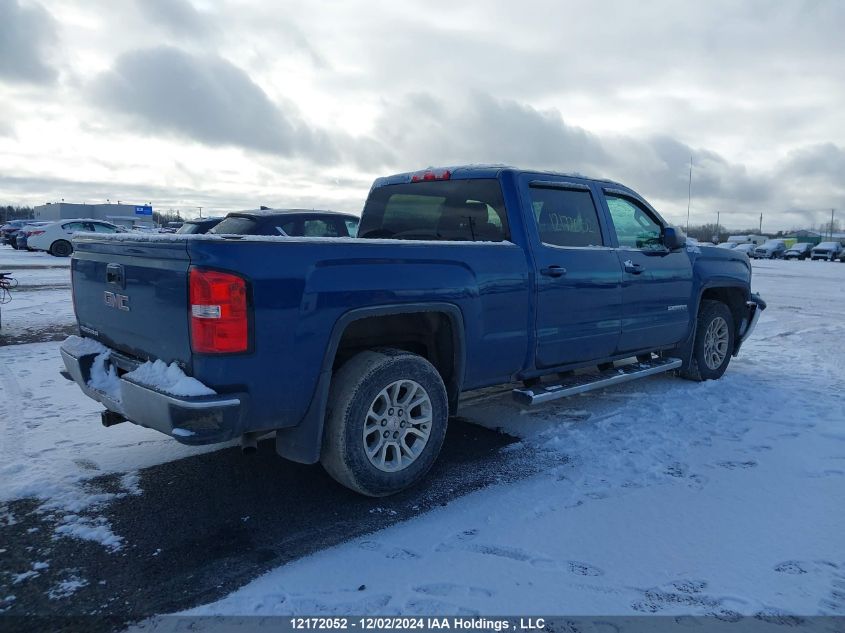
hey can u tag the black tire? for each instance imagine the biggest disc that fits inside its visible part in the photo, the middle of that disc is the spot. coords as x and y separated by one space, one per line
699 369
355 388
61 248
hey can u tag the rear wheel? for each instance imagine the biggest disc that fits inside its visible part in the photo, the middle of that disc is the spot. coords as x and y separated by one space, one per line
386 420
61 248
714 342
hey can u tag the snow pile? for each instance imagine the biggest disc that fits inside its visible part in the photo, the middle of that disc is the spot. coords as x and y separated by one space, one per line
166 378
80 346
104 377
66 588
88 529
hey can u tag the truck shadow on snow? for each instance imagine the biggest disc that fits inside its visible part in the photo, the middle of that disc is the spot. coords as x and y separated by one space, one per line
206 525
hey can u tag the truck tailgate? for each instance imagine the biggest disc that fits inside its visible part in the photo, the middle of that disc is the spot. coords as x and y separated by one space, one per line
133 295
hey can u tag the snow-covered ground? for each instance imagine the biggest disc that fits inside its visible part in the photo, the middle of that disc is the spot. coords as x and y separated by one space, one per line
41 300
51 440
723 497
677 497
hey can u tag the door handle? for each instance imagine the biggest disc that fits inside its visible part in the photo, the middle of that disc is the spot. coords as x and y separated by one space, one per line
634 269
553 271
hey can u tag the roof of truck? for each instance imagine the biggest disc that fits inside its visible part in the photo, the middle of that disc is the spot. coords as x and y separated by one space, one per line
261 213
482 170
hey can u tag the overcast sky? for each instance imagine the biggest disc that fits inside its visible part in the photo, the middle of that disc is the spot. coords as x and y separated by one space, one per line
233 103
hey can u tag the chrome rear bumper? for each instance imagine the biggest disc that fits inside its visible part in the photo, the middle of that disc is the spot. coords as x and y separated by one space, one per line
190 420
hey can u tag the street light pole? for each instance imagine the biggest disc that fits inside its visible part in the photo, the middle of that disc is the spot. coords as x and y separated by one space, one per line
689 191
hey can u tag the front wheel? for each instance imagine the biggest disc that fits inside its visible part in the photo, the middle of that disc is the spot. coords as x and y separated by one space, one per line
714 342
61 248
386 421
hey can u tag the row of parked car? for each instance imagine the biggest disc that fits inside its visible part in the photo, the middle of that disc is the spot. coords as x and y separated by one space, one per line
777 249
55 237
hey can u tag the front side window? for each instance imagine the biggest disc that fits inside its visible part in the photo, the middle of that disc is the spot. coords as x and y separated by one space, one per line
566 217
635 228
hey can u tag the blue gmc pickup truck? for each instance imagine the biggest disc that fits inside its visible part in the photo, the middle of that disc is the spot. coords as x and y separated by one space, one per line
354 351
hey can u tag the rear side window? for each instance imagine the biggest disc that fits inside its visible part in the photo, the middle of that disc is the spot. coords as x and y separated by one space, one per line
566 217
463 210
305 226
104 228
74 226
322 228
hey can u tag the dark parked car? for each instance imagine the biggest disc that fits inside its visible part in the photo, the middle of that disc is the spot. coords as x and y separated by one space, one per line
827 250
746 248
198 226
801 250
773 249
171 227
292 222
8 231
23 234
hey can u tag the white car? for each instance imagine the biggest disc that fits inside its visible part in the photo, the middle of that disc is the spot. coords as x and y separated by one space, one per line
55 238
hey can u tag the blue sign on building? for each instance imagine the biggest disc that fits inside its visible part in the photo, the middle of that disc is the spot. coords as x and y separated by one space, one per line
144 210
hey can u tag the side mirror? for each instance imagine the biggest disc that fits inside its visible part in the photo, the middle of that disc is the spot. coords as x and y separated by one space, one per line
673 238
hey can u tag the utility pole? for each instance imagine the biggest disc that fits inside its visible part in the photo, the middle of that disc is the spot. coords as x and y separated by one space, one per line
761 224
200 208
718 235
831 224
689 191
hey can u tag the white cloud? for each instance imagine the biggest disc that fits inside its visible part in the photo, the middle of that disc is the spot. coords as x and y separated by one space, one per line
309 100
26 34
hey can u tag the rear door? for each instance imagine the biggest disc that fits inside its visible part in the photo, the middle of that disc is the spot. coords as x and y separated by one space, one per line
133 296
579 295
657 288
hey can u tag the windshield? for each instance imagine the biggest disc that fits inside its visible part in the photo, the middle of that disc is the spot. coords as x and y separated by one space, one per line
828 245
466 210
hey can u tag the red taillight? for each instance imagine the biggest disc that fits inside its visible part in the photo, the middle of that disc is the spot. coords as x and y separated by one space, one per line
36 233
219 316
429 175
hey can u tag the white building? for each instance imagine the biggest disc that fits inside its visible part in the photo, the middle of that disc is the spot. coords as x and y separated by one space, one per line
123 214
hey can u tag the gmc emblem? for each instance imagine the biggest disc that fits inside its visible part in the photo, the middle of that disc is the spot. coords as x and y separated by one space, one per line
113 300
